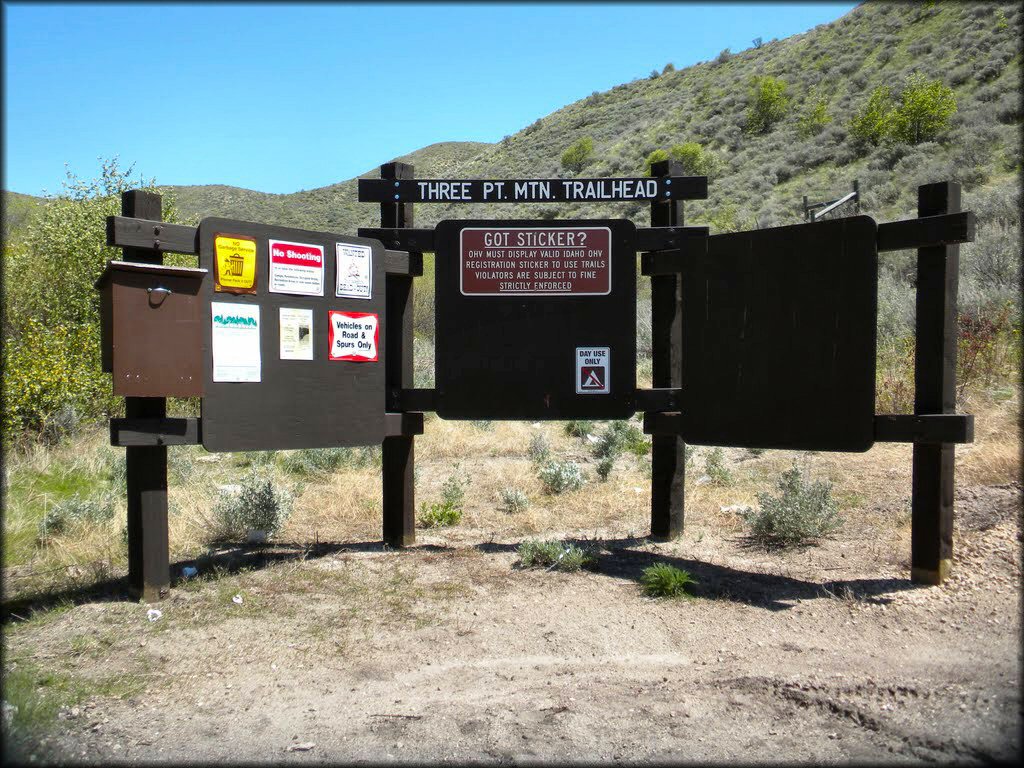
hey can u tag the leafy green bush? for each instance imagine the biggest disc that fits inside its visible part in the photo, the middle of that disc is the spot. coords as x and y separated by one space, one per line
801 513
259 505
921 112
664 580
620 436
50 309
657 156
561 476
63 515
513 501
555 554
694 159
439 515
605 466
579 428
715 469
815 116
449 510
768 105
577 154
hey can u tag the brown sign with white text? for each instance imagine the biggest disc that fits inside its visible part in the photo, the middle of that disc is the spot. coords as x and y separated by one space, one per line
514 261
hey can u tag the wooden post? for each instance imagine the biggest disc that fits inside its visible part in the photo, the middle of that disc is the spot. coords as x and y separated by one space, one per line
398 452
149 571
668 453
931 547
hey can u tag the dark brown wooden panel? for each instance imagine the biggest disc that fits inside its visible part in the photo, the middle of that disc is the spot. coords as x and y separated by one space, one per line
315 403
779 338
514 356
418 240
406 190
931 428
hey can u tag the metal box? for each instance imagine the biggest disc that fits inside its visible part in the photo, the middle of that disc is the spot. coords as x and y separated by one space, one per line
151 329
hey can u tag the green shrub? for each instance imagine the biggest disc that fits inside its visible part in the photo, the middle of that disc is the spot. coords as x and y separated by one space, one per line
694 159
540 449
259 505
715 469
664 580
769 104
561 476
439 515
579 428
513 501
577 154
657 156
65 514
921 112
605 466
448 511
801 513
555 554
815 116
620 436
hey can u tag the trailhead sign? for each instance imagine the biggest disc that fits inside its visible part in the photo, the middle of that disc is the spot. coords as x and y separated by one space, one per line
517 304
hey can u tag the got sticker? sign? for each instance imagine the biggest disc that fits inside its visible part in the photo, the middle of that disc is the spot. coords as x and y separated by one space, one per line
354 336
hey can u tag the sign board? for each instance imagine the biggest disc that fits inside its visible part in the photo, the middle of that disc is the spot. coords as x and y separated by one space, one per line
778 344
272 377
532 190
517 305
567 260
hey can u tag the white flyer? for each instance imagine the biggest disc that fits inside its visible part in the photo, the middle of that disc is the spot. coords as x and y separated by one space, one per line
355 271
236 342
296 328
296 268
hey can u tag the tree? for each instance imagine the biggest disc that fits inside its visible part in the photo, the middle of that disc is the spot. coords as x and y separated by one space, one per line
656 156
922 111
925 109
816 115
758 42
768 105
50 309
578 154
694 159
871 124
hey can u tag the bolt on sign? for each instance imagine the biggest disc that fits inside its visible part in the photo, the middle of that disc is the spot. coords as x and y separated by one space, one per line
514 301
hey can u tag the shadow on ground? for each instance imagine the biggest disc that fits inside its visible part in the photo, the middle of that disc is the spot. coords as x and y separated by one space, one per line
616 558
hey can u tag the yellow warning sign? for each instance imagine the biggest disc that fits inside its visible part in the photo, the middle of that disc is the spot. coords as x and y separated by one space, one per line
234 260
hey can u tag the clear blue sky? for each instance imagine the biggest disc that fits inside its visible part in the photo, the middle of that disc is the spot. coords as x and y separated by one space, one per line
281 98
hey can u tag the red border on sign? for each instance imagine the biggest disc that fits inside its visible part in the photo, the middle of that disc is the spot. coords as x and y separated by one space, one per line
354 316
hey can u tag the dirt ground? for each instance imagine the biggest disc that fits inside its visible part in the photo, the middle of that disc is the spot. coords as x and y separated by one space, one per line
450 652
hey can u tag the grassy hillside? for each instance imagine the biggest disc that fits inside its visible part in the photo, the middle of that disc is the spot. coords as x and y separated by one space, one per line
332 208
974 48
18 210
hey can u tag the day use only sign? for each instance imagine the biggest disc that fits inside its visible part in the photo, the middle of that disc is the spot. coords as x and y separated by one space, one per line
500 261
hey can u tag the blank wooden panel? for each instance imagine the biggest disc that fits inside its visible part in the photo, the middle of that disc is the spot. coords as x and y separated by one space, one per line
779 338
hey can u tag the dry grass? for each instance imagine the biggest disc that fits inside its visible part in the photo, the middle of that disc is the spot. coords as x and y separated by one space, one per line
872 488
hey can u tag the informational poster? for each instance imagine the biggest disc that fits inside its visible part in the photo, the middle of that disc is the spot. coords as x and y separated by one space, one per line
354 336
592 371
548 261
296 333
236 342
296 268
234 263
354 271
